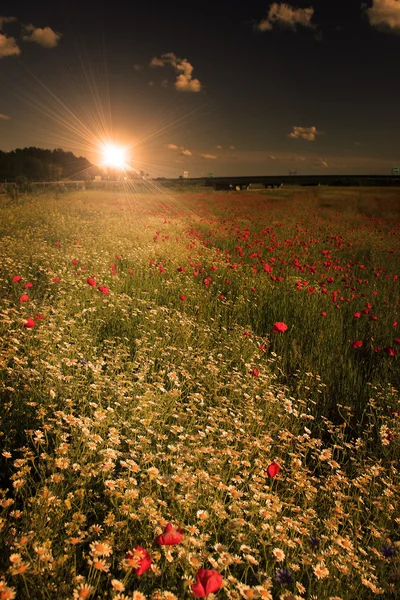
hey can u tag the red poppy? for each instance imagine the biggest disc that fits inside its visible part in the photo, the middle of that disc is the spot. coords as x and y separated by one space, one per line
56 280
377 349
29 323
74 262
255 372
357 315
207 583
170 537
39 317
181 269
221 297
183 298
28 285
357 344
24 298
140 557
391 351
103 289
396 341
279 327
16 278
57 244
323 314
90 282
273 469
130 271
395 322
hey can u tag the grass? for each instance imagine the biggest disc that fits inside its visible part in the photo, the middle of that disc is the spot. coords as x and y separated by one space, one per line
165 397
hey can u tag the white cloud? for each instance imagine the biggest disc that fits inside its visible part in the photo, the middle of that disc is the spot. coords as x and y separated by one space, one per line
285 15
8 46
5 20
208 156
232 147
218 147
181 149
45 37
4 117
306 133
385 14
184 81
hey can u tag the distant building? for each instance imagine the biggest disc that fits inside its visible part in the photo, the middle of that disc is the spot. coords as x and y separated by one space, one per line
185 174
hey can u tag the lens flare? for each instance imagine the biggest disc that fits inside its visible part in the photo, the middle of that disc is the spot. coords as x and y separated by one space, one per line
114 156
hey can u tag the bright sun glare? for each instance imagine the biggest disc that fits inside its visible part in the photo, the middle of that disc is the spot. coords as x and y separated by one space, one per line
114 156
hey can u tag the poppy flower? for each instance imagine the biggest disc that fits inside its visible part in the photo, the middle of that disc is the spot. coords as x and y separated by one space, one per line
357 344
221 297
170 537
16 278
207 583
29 323
57 244
140 557
39 317
273 469
24 298
28 285
103 289
255 372
90 282
323 314
357 315
181 269
183 298
396 341
56 280
391 351
279 327
74 262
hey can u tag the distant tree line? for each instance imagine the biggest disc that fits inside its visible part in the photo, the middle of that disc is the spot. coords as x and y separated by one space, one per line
37 164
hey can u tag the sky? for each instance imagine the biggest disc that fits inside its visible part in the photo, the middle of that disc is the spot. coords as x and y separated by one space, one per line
238 88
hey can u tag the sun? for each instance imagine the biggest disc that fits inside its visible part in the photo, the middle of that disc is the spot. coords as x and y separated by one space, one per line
114 156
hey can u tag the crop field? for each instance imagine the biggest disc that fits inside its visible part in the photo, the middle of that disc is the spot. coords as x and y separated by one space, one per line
199 395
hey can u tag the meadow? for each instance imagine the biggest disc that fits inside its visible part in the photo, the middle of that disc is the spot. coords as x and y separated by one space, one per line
199 394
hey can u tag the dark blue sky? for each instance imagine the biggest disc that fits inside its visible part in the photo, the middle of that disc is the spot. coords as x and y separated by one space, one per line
240 88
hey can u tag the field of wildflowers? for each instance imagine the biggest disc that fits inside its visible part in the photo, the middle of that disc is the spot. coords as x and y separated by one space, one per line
199 395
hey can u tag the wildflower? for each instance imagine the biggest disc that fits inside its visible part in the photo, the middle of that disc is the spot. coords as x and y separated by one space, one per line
320 570
74 262
91 282
255 372
40 317
279 327
16 278
100 549
183 298
83 591
357 344
391 351
323 313
207 583
279 554
28 285
387 551
170 537
6 593
24 298
56 279
29 323
284 577
357 315
103 289
273 469
138 559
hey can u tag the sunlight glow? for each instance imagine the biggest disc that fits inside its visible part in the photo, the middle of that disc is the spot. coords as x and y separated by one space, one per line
114 156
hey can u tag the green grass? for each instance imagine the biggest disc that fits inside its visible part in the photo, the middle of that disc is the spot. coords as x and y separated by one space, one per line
122 412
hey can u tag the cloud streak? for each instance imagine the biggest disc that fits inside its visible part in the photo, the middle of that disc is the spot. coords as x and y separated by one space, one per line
305 133
45 36
4 117
385 15
8 46
286 16
184 81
